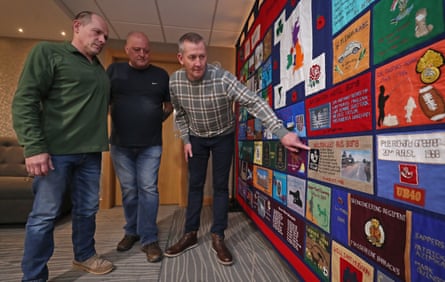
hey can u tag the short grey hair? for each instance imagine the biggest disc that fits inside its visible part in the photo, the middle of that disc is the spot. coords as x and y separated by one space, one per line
84 17
191 37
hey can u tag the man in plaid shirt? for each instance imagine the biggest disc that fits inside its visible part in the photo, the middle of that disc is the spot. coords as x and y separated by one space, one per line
203 96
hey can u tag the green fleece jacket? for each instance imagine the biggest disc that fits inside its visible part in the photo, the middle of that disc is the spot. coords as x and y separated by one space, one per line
61 102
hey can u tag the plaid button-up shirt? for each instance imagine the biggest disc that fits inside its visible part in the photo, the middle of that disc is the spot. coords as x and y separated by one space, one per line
204 108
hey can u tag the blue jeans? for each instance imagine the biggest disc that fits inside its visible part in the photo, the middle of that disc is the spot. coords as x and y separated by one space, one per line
79 173
137 170
222 148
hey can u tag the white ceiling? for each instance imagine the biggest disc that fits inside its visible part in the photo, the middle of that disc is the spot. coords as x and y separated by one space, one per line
218 21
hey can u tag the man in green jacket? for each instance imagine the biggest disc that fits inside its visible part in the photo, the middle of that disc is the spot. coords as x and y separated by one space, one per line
59 114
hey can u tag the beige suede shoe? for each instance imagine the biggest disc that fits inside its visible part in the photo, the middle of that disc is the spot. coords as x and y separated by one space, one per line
94 265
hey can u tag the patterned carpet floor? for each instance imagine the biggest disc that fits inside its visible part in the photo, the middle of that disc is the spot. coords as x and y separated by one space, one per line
254 257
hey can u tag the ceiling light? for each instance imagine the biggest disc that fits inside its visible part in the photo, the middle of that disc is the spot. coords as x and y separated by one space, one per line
63 33
20 30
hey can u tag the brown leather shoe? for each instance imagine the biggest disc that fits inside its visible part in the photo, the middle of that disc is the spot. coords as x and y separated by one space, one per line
187 242
222 253
153 252
127 242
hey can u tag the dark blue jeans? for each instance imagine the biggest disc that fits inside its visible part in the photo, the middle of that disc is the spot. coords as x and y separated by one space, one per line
81 172
221 148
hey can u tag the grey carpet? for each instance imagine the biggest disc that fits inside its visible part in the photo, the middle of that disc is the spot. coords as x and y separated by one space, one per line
255 259
130 265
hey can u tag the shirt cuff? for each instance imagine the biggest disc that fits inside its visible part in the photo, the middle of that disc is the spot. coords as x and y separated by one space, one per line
185 139
280 132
